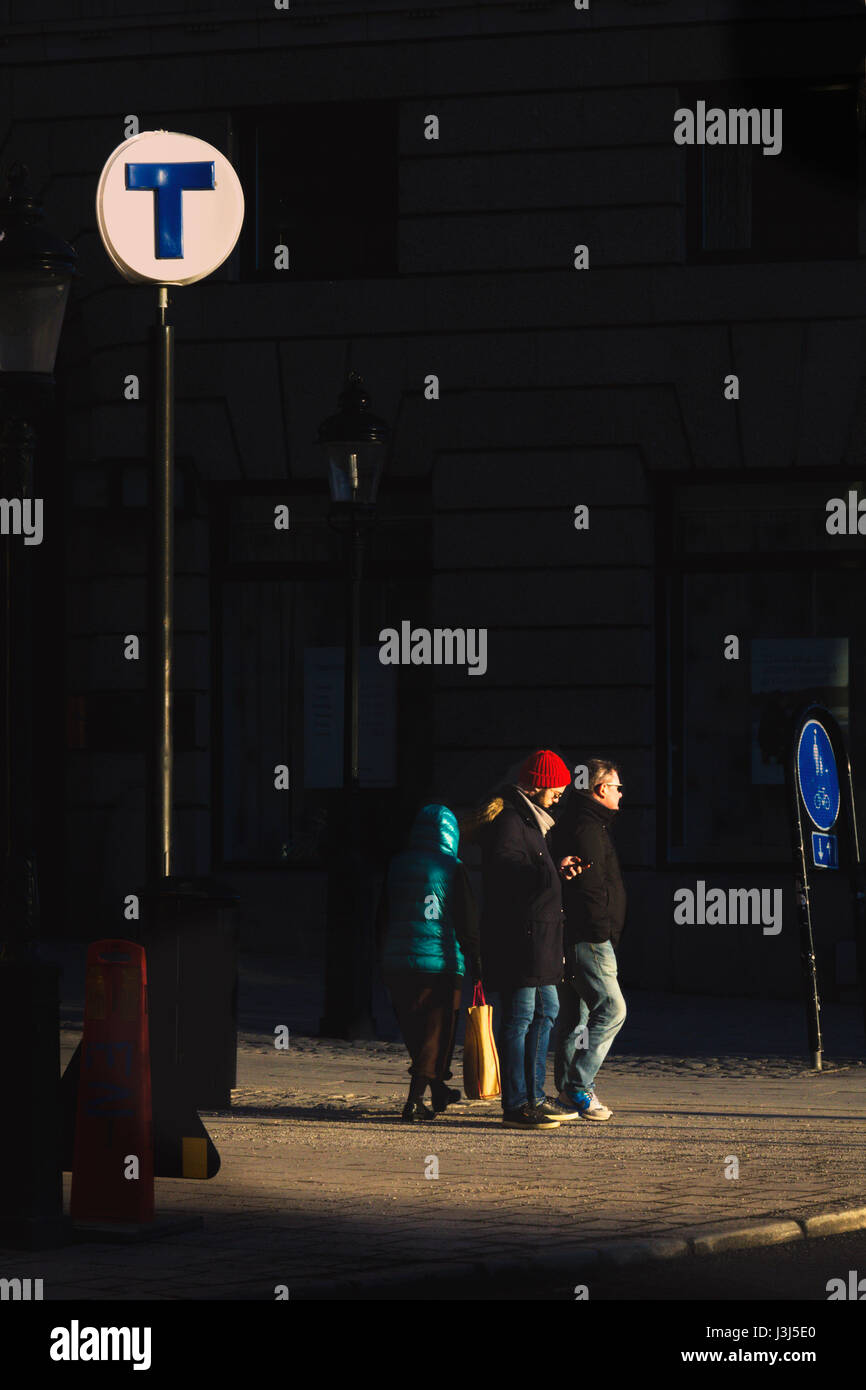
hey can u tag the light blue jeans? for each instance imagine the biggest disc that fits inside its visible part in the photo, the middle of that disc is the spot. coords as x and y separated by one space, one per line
591 1001
525 1025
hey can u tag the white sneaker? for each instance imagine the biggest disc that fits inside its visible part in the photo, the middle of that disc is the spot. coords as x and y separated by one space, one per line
595 1110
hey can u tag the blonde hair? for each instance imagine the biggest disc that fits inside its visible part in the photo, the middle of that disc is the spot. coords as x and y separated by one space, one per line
471 822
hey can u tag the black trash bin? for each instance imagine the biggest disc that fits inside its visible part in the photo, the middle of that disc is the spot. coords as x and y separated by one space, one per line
189 929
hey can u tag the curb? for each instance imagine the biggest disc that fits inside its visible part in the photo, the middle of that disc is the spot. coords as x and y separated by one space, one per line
747 1237
587 1259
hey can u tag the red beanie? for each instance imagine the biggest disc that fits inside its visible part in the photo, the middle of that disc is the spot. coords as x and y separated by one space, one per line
544 769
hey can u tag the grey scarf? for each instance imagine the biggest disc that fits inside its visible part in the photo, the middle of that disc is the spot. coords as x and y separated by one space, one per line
545 821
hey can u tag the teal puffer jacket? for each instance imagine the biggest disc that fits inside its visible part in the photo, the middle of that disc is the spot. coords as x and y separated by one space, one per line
421 893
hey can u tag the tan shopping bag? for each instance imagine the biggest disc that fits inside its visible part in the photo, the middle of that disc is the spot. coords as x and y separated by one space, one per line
480 1058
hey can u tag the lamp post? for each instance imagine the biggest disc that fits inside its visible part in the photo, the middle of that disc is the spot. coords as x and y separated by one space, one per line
354 442
36 269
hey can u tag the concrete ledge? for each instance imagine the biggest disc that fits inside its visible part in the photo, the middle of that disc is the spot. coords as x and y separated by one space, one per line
833 1223
746 1237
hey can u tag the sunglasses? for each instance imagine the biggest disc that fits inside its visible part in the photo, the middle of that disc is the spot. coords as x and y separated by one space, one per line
617 786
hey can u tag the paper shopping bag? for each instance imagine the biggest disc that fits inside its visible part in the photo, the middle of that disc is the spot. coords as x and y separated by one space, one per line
480 1058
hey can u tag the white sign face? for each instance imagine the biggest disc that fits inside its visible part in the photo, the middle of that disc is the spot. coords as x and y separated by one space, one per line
169 208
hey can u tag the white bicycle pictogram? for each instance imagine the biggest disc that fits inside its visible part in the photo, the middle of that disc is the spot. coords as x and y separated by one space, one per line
822 800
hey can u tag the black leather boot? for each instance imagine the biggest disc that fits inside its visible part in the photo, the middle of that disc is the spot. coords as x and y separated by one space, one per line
415 1111
442 1096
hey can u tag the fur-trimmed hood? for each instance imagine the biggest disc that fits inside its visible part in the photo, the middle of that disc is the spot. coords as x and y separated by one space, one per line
472 822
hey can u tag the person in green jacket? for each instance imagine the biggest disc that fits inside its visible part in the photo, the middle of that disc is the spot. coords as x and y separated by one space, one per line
428 939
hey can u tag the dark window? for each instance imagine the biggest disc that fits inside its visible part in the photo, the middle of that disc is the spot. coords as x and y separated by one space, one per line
320 180
799 204
749 557
118 483
279 623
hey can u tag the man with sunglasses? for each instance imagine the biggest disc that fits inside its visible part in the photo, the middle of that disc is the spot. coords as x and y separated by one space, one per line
592 1008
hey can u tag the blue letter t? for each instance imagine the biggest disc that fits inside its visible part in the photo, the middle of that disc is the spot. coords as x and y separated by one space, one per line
168 182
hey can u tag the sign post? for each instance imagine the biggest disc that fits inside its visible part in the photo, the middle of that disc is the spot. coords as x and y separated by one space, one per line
169 209
816 788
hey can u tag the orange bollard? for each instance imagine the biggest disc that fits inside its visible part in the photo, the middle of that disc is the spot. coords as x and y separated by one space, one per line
112 1164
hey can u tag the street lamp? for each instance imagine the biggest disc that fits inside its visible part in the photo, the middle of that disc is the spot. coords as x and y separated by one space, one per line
354 442
36 269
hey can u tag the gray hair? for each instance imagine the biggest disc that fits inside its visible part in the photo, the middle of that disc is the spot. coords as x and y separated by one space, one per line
598 771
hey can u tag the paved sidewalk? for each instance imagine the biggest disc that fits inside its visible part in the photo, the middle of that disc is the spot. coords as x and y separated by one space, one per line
320 1181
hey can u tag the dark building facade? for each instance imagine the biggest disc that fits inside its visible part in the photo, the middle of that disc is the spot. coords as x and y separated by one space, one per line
485 212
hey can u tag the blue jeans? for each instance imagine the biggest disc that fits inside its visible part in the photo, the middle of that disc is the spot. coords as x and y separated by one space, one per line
526 1020
593 1011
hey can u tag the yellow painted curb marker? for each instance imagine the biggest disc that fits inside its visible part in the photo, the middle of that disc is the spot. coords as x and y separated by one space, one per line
194 1161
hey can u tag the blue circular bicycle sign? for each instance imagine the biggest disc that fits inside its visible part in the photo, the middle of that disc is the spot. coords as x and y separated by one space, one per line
817 775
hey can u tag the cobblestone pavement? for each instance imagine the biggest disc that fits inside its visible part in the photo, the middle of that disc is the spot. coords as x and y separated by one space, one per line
321 1180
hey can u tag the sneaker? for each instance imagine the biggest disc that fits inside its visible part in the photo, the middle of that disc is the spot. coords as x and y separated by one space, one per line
570 1104
599 1105
585 1104
557 1110
527 1117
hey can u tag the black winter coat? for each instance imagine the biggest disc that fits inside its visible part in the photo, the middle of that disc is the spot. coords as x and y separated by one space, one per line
595 901
521 919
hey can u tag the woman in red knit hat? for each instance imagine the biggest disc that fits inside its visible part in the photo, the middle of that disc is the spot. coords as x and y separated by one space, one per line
521 933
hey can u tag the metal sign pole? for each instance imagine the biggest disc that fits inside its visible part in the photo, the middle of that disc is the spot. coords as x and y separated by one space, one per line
807 942
163 608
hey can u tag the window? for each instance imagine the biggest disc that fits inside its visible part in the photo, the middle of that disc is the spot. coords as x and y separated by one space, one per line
320 180
279 625
799 204
749 556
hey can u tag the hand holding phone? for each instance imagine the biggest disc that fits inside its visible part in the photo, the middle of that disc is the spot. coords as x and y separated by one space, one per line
571 866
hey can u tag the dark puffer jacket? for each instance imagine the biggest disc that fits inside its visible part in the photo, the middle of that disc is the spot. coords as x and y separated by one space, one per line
426 917
521 918
595 901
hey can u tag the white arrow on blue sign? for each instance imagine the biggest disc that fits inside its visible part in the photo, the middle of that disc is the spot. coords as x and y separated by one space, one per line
825 851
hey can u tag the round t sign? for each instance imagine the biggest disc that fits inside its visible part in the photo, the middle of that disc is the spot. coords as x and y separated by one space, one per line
169 208
817 775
